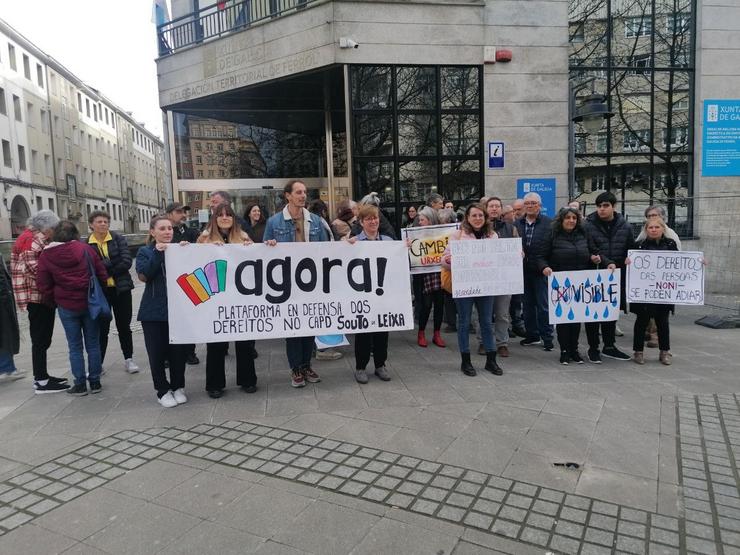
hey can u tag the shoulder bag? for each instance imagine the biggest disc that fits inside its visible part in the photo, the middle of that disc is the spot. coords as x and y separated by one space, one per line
97 304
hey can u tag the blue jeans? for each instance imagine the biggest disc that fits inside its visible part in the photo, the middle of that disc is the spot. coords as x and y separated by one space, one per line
485 317
536 314
79 325
7 365
299 351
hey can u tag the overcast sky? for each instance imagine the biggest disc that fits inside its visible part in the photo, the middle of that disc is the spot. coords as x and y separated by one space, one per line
109 44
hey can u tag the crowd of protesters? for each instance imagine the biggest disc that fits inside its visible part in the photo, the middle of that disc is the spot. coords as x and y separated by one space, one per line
51 271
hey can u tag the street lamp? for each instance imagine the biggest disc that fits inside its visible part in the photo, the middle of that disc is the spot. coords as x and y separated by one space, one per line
592 113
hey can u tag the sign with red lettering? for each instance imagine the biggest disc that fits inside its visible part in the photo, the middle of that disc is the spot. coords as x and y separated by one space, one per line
428 243
665 277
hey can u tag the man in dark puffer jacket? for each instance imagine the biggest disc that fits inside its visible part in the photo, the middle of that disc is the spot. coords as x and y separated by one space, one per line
613 238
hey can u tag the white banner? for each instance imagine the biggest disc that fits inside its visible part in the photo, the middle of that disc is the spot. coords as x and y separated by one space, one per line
233 292
487 267
584 296
428 243
665 277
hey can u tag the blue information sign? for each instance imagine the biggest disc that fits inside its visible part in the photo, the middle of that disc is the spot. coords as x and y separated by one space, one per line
720 152
543 186
495 155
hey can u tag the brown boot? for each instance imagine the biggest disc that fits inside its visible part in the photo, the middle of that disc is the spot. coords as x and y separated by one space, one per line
638 357
665 357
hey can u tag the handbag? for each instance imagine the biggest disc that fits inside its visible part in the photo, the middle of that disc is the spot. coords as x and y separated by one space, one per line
97 304
446 277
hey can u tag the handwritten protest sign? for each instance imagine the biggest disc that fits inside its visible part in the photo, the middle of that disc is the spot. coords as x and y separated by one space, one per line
665 277
583 296
487 267
233 292
427 245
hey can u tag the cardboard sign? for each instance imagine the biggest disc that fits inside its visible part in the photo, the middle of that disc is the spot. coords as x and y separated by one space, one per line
665 277
236 292
583 296
428 243
487 267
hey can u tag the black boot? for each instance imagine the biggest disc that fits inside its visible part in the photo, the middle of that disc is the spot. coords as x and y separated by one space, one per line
465 365
491 364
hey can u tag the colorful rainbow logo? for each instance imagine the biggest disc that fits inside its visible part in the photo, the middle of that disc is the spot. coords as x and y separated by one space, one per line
204 282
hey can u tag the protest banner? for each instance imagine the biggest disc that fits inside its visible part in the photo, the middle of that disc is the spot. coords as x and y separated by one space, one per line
487 267
665 277
236 292
427 245
583 296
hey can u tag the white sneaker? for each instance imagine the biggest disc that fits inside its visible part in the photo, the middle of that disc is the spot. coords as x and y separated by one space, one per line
12 376
167 400
131 366
328 354
179 396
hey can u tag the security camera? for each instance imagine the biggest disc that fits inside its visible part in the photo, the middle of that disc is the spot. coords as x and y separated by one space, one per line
345 42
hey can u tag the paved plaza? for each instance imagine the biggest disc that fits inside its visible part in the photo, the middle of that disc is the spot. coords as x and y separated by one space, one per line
581 459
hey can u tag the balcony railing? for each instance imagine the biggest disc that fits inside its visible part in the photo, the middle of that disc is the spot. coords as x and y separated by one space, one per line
220 19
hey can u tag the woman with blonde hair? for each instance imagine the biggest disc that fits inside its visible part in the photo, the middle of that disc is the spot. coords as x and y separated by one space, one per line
225 229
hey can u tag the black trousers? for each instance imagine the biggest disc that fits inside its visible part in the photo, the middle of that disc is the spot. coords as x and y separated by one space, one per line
660 314
436 300
216 365
608 332
159 349
375 343
450 310
41 324
568 336
120 304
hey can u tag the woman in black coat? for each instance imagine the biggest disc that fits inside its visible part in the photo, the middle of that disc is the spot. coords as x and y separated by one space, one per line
568 248
9 334
656 240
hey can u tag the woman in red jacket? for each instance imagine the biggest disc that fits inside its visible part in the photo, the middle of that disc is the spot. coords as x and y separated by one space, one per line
63 278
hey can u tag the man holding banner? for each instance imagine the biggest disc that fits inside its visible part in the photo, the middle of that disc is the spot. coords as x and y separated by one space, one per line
295 224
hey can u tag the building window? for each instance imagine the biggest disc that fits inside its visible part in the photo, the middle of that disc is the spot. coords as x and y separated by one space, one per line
34 161
87 106
44 116
3 106
17 108
647 76
40 75
79 102
416 131
638 26
29 115
7 158
22 158
26 67
11 57
47 165
95 112
51 204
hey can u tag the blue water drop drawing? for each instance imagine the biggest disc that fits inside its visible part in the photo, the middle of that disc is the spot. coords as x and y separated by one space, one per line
596 315
615 303
588 283
598 278
565 297
559 310
571 316
597 296
588 311
611 277
567 282
606 312
555 283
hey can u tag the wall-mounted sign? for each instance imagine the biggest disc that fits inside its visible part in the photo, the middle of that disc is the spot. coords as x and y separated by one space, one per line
720 152
543 186
495 155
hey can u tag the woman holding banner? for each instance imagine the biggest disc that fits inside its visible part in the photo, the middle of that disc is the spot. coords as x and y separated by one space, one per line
375 343
568 248
475 226
656 240
154 319
225 229
428 290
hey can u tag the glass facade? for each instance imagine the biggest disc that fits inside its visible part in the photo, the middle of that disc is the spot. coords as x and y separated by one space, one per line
416 130
640 55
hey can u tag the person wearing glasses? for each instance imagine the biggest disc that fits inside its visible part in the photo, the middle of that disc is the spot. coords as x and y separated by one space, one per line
613 237
534 228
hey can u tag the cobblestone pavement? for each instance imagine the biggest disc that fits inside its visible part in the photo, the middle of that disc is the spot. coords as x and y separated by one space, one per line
616 458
